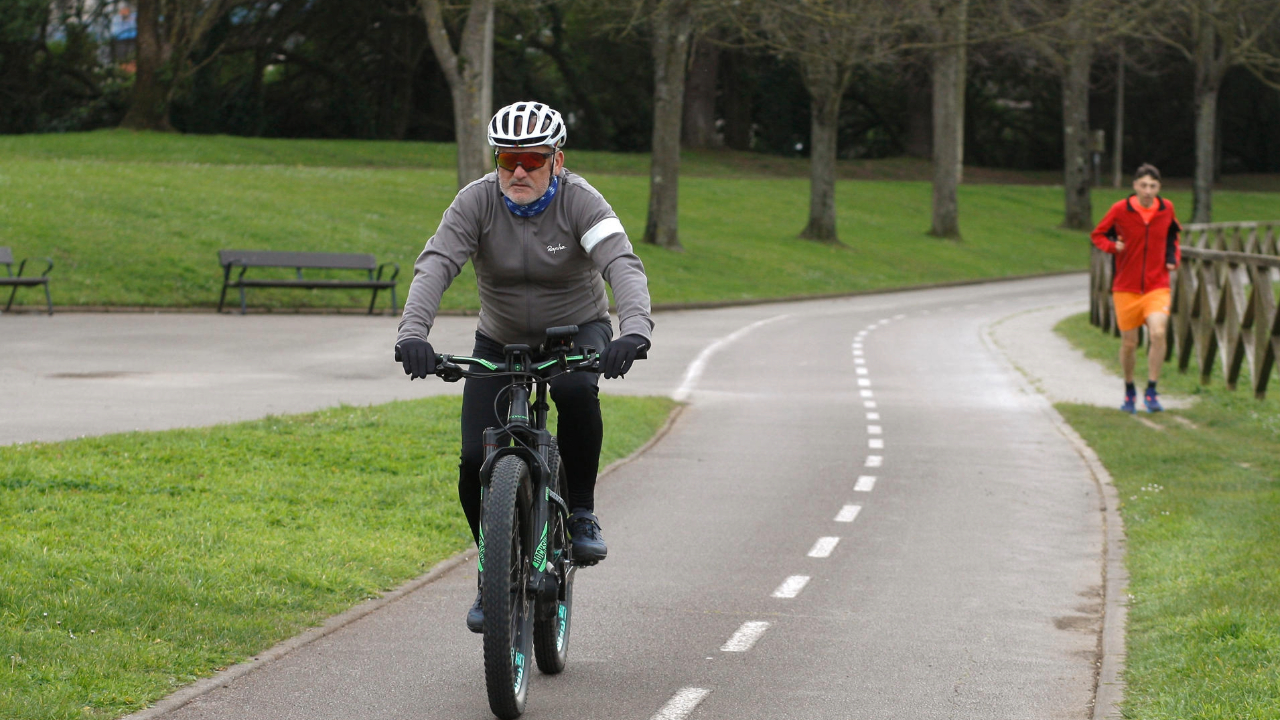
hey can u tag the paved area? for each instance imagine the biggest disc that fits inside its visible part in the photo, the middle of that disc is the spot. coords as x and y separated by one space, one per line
865 485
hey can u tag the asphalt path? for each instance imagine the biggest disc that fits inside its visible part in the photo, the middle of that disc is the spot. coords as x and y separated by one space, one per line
863 512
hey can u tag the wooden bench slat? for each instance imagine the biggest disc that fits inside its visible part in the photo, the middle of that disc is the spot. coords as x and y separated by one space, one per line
337 284
315 260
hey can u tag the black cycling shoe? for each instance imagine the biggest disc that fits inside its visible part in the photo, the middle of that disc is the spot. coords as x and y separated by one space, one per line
588 543
475 616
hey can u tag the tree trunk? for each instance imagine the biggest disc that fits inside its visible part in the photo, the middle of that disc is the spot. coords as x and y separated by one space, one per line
948 120
1210 66
826 84
737 102
469 73
699 128
1206 124
1117 145
149 108
672 31
1075 136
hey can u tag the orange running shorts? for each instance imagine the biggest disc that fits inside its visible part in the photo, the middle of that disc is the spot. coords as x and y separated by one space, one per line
1133 309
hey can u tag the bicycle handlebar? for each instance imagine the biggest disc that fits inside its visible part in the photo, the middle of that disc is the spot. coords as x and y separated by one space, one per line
450 367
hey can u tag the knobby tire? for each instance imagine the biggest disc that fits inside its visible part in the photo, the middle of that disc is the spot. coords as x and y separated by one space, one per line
508 604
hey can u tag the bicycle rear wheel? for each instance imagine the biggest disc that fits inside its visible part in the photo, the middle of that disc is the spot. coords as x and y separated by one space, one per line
508 603
552 621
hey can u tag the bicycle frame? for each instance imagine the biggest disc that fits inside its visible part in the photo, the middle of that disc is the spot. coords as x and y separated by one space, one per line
532 442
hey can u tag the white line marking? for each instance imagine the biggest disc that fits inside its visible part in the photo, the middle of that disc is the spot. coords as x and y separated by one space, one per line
746 636
865 483
867 394
884 321
862 370
898 317
873 429
873 416
694 371
874 461
864 382
823 547
681 704
875 444
848 513
858 359
868 403
791 587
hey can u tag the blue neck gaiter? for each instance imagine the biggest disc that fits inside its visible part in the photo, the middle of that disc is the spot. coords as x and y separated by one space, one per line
537 206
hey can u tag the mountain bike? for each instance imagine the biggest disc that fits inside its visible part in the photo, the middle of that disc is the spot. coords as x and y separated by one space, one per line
525 554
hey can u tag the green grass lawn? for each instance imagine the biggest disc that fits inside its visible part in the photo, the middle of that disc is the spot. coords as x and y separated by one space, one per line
1201 507
136 220
132 564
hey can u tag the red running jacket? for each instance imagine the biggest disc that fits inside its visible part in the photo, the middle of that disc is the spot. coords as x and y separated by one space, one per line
1140 267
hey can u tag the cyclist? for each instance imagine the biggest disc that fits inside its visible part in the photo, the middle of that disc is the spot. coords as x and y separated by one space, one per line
1141 233
543 243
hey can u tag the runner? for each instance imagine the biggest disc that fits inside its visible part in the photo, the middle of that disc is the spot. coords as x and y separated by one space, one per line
1141 234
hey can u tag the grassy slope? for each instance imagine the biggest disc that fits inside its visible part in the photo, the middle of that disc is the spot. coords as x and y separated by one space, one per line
132 564
1202 515
146 232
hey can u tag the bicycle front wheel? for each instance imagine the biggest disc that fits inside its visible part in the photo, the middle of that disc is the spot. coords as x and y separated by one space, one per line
508 603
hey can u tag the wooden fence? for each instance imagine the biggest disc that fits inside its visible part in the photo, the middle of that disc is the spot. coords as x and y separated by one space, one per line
1224 300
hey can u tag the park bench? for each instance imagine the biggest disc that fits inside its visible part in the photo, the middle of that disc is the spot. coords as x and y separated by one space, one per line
17 280
245 259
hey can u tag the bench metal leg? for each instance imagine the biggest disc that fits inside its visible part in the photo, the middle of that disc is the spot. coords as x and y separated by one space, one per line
373 300
11 294
223 297
47 298
243 309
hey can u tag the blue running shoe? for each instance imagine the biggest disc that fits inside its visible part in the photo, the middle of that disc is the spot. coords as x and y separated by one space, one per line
1129 405
1149 399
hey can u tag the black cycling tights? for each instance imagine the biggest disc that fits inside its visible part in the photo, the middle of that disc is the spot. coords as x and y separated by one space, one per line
579 429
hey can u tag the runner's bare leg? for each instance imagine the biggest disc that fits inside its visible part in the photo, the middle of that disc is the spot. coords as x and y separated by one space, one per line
1157 326
1128 352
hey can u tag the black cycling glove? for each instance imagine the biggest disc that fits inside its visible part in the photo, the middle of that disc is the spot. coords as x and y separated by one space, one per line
417 357
618 357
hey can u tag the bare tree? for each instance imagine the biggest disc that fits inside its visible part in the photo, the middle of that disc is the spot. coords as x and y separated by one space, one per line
947 25
672 25
1215 35
1065 34
469 72
828 39
168 32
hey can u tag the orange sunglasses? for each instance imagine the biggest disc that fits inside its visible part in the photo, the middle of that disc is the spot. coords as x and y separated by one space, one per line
530 161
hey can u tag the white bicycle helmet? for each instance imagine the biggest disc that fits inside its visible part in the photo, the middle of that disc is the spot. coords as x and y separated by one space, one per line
525 124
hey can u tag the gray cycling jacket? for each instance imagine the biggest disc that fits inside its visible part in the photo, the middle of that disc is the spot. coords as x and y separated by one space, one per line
532 273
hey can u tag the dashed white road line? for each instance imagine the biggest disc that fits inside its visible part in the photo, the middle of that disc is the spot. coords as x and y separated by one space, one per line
861 370
791 587
848 513
681 704
875 460
865 483
823 547
699 364
873 429
873 416
866 393
868 403
899 316
875 444
864 382
745 637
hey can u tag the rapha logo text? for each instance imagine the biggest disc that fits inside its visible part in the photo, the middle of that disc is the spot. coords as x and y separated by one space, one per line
556 248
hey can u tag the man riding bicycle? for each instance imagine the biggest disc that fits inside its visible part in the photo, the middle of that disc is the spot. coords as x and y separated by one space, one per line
543 243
